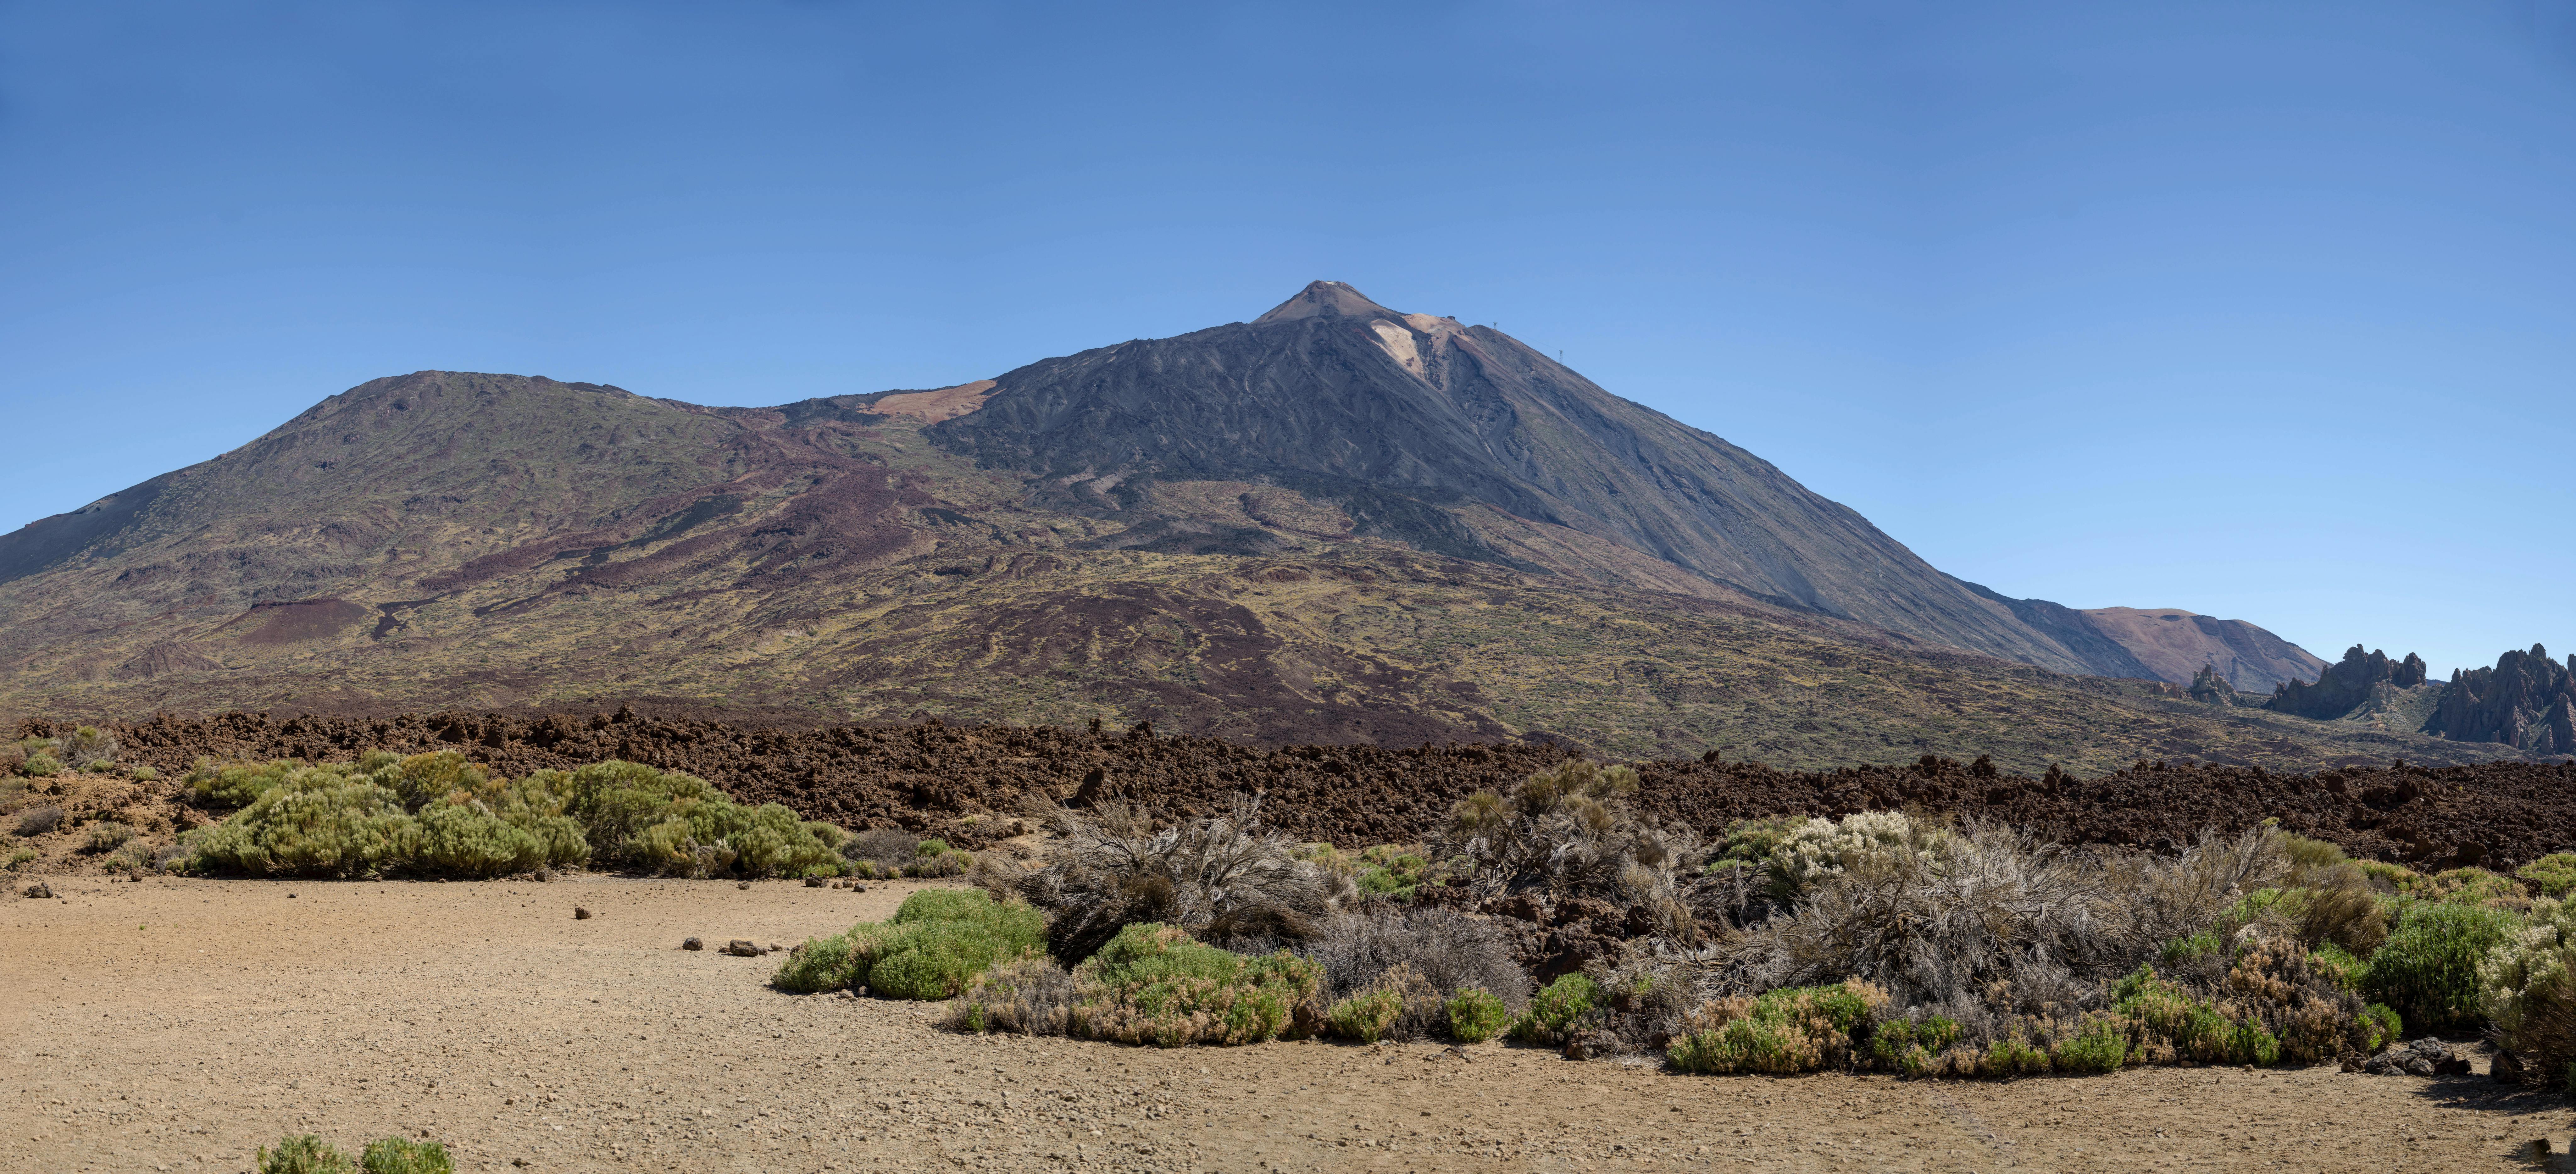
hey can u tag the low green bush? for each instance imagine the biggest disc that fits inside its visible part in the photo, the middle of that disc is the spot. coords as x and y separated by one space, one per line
303 1153
1394 872
396 1155
306 1154
467 839
438 814
1797 1029
41 766
145 774
1153 984
1555 1009
2387 1025
1909 1045
108 835
2012 1055
1366 1017
2428 970
317 823
2474 886
2351 972
19 857
945 862
821 964
2553 875
1476 1015
935 945
235 784
2169 1024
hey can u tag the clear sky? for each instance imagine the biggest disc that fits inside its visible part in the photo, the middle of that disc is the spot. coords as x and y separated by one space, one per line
2264 311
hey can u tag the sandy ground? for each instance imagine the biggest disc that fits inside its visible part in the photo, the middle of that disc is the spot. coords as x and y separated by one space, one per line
175 1024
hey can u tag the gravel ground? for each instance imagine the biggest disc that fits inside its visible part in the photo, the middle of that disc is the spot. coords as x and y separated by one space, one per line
176 1024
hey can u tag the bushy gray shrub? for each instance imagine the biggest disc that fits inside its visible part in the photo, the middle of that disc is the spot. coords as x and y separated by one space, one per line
889 849
1434 953
1567 829
1221 877
1995 910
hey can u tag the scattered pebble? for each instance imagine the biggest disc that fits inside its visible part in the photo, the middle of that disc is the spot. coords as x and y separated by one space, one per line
693 944
580 914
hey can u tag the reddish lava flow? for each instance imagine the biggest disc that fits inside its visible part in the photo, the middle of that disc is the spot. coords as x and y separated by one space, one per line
930 777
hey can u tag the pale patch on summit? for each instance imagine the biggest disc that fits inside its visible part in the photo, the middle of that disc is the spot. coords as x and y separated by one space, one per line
1399 345
934 406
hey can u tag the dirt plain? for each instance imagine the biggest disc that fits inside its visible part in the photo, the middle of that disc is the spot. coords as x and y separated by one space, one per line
176 1024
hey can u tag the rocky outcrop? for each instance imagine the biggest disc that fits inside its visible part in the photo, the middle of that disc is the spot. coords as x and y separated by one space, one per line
2344 686
2209 687
2526 701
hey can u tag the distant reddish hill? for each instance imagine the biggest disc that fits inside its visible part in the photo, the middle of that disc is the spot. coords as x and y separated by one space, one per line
2174 644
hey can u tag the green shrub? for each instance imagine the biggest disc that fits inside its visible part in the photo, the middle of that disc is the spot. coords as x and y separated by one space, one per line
1909 1045
1366 1017
2553 875
100 767
466 839
2011 1055
41 766
1750 841
303 1153
2349 972
2100 1043
946 862
2527 986
2387 1026
2254 1044
19 857
1153 984
2168 1023
1476 1015
821 964
1555 1009
1796 1029
2428 970
316 823
145 774
2394 878
1393 872
441 815
2199 945
2473 886
396 1155
236 784
937 942
107 835
1749 1044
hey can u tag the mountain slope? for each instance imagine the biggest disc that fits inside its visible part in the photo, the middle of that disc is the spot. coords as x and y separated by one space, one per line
1286 530
1401 418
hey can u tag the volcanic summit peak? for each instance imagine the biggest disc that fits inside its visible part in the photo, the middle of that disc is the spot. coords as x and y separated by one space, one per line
1326 299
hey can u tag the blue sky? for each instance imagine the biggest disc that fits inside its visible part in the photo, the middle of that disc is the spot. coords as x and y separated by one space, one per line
2268 311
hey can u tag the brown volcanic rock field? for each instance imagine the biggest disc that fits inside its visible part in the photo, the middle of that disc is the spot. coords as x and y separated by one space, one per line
932 777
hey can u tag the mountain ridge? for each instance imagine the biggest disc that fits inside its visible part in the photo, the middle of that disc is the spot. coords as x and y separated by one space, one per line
469 539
